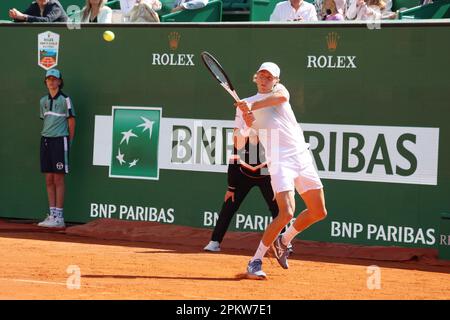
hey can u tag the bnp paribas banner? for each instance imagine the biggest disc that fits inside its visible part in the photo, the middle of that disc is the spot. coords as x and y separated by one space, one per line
136 142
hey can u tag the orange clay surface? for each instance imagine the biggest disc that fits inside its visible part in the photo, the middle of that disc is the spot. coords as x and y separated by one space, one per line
34 265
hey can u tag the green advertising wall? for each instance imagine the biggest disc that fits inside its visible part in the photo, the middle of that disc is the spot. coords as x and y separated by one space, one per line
373 104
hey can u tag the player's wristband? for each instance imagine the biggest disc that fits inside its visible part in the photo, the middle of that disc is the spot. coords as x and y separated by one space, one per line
231 189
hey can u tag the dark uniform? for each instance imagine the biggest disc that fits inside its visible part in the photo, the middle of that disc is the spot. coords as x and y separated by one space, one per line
55 133
245 171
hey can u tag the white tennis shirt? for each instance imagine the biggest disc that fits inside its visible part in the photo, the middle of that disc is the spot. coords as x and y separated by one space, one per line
276 127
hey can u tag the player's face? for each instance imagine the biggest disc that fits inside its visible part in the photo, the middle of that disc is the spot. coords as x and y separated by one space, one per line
52 83
265 81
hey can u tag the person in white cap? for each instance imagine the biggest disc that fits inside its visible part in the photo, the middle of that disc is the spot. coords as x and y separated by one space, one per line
290 165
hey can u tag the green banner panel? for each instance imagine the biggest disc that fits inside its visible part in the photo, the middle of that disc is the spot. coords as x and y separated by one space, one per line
153 128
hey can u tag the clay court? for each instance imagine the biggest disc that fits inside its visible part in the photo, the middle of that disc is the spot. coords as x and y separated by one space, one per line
34 266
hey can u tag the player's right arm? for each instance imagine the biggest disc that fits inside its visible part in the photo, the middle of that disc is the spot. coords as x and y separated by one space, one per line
279 96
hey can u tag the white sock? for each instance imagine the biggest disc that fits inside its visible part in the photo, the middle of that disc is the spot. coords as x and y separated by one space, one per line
260 252
59 212
52 211
290 234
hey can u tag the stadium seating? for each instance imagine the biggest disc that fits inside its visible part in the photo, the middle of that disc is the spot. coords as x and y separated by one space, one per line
235 10
440 9
404 4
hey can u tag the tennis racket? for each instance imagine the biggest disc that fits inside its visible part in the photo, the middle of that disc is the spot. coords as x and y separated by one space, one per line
218 73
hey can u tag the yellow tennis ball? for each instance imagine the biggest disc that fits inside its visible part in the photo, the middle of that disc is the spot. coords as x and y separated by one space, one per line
108 36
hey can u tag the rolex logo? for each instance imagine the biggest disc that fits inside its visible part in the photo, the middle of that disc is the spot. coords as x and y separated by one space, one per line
174 39
173 59
332 41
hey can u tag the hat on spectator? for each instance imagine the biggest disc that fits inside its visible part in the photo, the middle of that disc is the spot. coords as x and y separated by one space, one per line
53 73
271 67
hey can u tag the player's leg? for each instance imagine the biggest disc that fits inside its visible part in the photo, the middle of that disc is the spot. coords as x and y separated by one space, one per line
60 189
267 192
229 208
59 150
51 189
286 205
310 188
47 170
61 158
315 211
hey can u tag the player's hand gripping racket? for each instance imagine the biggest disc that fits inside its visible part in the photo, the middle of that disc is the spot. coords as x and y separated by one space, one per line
218 73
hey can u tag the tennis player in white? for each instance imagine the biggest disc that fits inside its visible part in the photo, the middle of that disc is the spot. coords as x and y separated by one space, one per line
290 165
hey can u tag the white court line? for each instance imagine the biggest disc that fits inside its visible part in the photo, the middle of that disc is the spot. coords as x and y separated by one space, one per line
47 282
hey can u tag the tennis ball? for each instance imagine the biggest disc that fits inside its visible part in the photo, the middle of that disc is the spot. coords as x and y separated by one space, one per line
108 36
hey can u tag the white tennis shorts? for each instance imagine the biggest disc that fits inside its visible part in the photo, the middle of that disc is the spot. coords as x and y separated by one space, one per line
297 172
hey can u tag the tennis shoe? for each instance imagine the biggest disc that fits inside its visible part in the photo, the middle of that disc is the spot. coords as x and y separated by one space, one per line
281 252
213 246
52 222
254 270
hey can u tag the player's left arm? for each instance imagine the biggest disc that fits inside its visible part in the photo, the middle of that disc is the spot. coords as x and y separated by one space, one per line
71 122
276 99
70 114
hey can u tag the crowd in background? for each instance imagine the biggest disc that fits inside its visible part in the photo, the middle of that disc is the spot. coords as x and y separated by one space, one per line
97 11
147 10
300 10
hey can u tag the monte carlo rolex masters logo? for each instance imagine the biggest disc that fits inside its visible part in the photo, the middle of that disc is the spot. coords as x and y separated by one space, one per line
135 140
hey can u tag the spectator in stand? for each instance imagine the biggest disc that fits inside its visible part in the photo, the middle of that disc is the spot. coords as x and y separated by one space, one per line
294 10
40 11
387 12
145 11
96 11
362 10
127 6
189 5
332 10
341 6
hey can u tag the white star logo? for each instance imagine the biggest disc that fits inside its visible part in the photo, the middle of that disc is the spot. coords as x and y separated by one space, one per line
127 135
132 164
148 125
120 158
